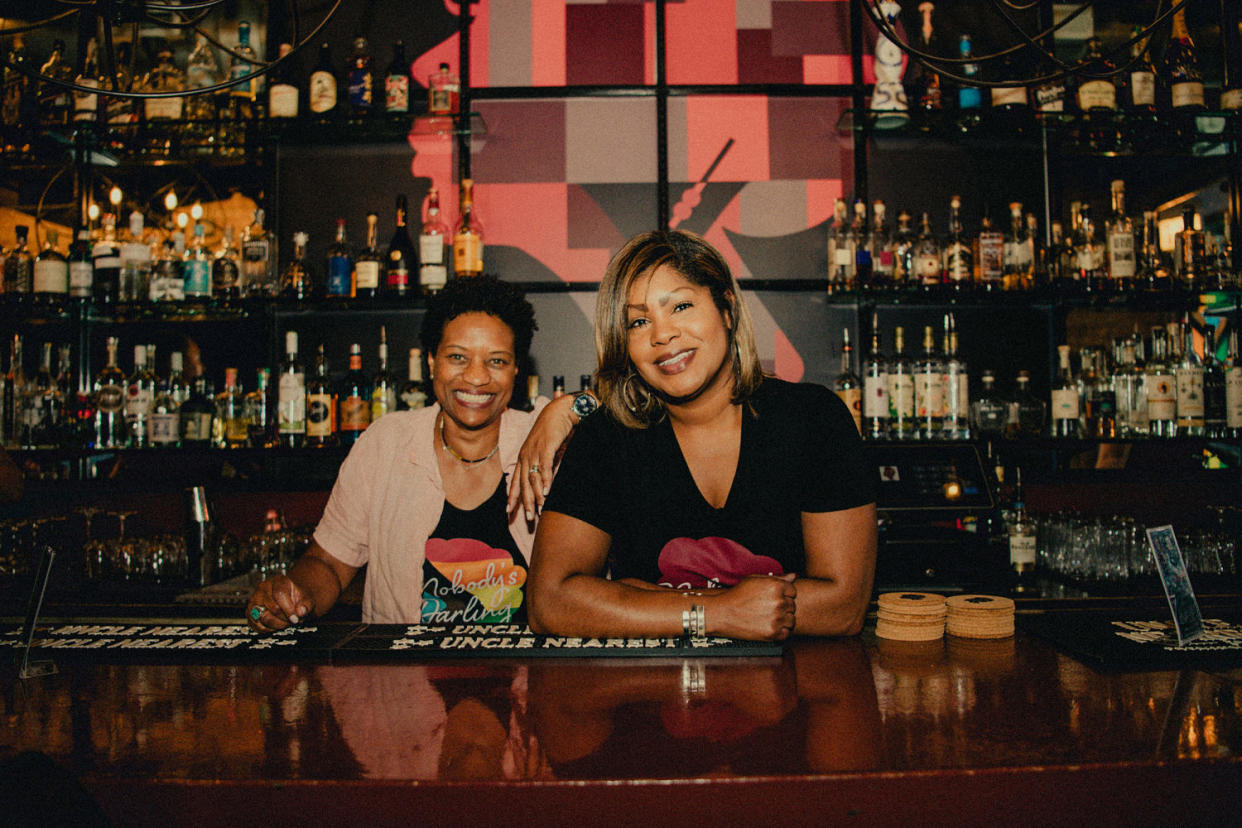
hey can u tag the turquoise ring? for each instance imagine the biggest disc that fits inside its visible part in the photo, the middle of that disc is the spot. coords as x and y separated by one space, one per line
256 612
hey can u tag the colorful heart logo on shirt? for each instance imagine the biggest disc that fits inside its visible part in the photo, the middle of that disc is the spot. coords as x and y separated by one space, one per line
470 566
711 562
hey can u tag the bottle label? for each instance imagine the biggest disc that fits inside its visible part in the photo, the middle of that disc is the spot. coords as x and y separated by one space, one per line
51 276
927 268
957 263
318 415
1097 94
1161 396
81 278
440 101
367 274
355 414
885 263
852 397
291 403
167 285
991 257
361 93
969 97
110 399
956 393
875 397
197 274
1187 94
929 395
164 428
163 109
1050 97
398 274
1009 96
382 401
468 254
282 101
86 104
321 96
1022 550
1231 99
842 257
1143 88
413 397
1190 393
1233 397
196 426
139 401
1121 260
225 274
901 395
1017 256
397 93
340 276
1064 404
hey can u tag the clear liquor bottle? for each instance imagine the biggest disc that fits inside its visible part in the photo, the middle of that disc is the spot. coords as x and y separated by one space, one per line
369 263
1154 275
880 248
14 387
402 260
1233 388
956 386
903 242
1065 400
55 102
959 260
165 422
110 401
929 388
1122 261
1022 539
840 249
413 394
1189 252
468 237
19 265
197 415
196 267
383 384
846 384
85 101
246 96
291 396
178 385
988 411
167 279
296 283
139 398
163 113
257 273
1215 407
340 265
255 410
226 282
433 247
875 388
38 404
355 399
229 429
202 70
1160 387
1189 374
1129 391
928 262
134 282
1089 251
902 423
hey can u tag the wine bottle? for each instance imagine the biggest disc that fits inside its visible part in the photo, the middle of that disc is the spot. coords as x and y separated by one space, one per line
847 385
413 395
340 265
397 82
320 405
291 396
433 247
361 86
282 90
383 385
322 93
369 261
402 259
1181 67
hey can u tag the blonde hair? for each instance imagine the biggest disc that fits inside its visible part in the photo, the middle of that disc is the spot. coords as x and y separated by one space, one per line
620 389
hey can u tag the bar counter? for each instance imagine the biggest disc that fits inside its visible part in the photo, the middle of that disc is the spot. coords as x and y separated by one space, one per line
955 731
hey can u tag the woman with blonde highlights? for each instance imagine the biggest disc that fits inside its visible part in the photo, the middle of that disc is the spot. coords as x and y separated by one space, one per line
706 498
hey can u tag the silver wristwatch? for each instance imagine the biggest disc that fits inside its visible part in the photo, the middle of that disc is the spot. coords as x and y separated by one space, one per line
584 405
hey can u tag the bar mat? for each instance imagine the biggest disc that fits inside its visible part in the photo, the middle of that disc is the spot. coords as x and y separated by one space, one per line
339 643
1118 641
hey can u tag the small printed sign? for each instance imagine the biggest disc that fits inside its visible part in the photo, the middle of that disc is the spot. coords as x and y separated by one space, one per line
1187 618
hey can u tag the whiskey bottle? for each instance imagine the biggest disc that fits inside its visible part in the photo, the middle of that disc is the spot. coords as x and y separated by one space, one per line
1065 402
291 396
1096 90
928 264
433 244
110 402
959 266
81 266
226 284
165 421
397 82
295 281
361 79
875 388
846 384
367 265
988 412
956 386
1099 398
1189 252
340 265
86 103
383 385
255 412
402 260
1160 388
197 415
283 97
1089 252
1122 266
902 424
902 255
929 389
355 399
1154 275
468 238
50 277
991 257
1022 539
413 395
229 428
19 264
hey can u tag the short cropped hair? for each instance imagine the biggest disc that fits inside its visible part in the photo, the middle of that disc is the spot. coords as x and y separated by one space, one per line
479 294
620 388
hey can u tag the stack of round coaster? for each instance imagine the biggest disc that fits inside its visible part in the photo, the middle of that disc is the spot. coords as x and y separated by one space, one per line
910 616
979 616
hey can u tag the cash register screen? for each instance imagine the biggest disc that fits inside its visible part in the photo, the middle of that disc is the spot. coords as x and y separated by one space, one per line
930 477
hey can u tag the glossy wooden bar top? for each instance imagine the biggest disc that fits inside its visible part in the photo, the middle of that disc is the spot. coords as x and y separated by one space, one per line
874 731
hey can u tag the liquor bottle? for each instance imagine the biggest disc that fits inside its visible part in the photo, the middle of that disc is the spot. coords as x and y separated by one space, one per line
846 384
1154 275
1129 392
402 259
197 414
969 96
167 280
1065 402
1141 83
14 385
1215 406
1160 388
106 262
875 388
862 249
321 405
840 249
139 397
397 82
178 385
255 411
1089 252
361 79
1189 252
1189 377
369 262
1233 387
929 389
19 264
880 249
355 399
991 256
443 92
956 386
1026 411
558 386
55 102
927 89
1017 253
902 255
86 103
291 396
988 412
283 98
468 238
165 422
246 95
226 268
134 282
928 264
532 392
1099 399
432 247
1180 69
1011 102
383 385
202 70
340 265
51 271
295 281
257 274
81 266
164 78
1122 262
958 266
413 395
1096 90
195 268
1022 539
902 424
67 424
322 93
42 406
110 402
228 428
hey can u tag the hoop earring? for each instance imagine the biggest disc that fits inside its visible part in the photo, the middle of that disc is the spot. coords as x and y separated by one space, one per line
633 398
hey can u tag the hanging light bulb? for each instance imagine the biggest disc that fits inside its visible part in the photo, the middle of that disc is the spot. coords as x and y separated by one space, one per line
170 201
114 196
92 212
196 212
183 218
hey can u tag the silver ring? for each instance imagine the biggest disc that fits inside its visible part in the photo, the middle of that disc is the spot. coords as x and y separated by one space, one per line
534 469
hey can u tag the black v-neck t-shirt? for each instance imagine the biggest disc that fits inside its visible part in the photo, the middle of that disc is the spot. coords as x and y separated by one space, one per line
800 452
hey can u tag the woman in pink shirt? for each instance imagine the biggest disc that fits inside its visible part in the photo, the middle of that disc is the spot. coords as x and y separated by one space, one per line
422 498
